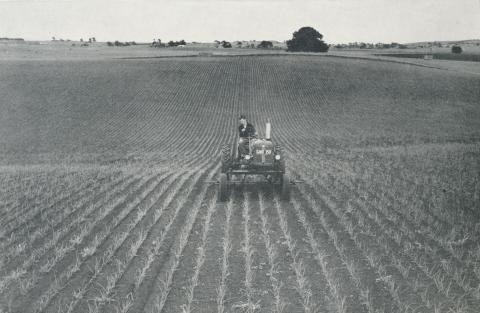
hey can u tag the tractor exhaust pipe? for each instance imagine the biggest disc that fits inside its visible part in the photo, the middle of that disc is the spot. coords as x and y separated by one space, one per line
268 130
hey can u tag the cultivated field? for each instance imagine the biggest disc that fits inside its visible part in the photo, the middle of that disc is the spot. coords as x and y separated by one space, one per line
107 202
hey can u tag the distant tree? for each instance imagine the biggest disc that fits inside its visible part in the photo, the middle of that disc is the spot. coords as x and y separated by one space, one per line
94 39
81 39
226 44
307 39
172 43
160 43
53 39
90 40
239 44
110 44
457 49
157 43
118 43
265 44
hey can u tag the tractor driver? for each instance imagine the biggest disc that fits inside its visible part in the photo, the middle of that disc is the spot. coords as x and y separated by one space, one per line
246 131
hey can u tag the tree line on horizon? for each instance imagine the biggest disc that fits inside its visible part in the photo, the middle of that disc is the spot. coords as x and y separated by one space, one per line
306 39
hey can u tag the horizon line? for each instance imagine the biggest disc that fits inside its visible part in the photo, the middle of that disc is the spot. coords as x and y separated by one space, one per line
60 39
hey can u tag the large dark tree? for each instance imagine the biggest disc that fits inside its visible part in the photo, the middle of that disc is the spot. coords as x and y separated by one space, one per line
307 39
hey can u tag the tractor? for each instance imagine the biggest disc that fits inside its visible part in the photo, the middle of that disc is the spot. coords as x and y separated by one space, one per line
264 158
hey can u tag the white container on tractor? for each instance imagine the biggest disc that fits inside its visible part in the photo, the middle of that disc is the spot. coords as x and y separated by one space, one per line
264 158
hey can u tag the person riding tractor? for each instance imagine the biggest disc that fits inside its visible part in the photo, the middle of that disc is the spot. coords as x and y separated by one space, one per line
257 157
246 132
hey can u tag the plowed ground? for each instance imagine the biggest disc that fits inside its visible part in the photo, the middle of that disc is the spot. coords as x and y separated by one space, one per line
107 200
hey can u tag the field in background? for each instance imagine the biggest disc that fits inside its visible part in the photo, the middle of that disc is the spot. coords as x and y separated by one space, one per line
107 203
100 50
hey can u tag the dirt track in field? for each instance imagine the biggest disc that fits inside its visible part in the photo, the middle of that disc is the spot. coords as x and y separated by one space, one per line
108 203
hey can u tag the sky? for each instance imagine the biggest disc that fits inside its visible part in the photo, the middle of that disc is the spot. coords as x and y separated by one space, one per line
340 21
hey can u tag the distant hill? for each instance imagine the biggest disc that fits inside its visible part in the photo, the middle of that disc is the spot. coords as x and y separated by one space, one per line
16 41
446 42
6 39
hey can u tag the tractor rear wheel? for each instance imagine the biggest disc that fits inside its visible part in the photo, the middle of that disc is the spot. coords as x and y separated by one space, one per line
224 188
283 188
226 158
281 162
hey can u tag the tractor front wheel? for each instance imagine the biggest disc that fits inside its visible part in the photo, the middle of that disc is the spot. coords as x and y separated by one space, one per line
283 187
224 188
227 160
